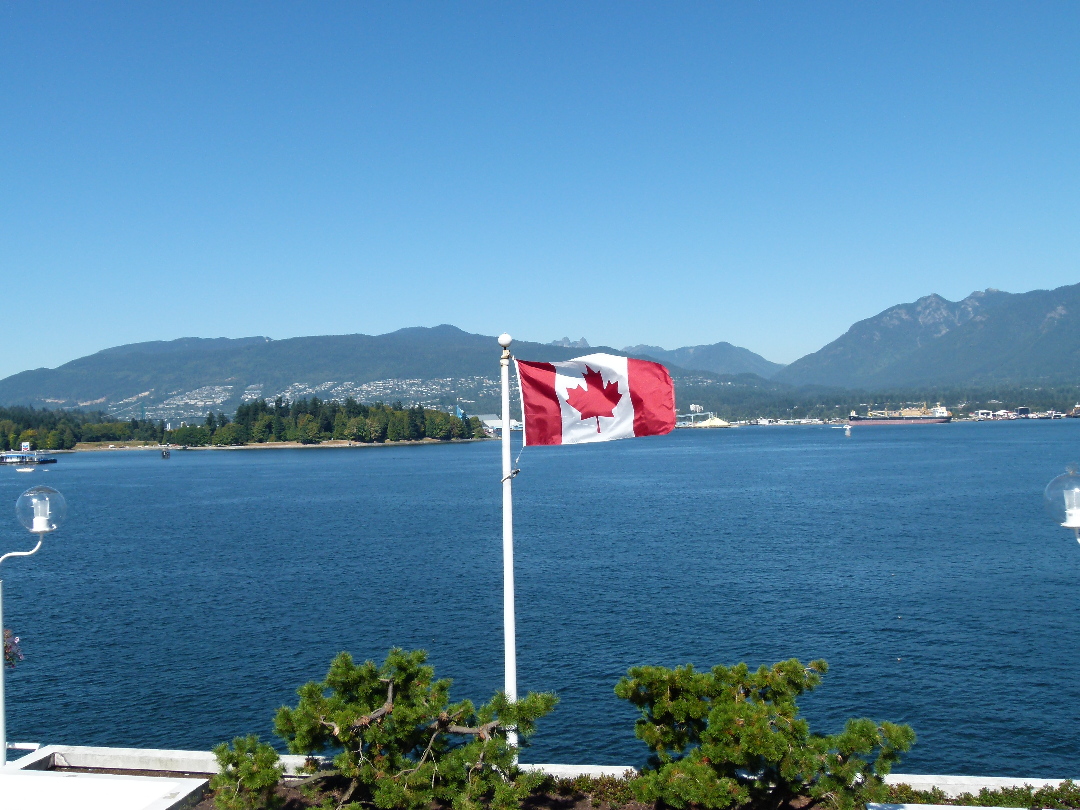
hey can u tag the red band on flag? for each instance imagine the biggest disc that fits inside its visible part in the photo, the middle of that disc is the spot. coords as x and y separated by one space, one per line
653 396
540 403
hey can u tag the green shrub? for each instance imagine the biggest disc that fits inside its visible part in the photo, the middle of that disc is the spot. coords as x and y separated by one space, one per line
249 773
403 744
729 737
614 791
1064 795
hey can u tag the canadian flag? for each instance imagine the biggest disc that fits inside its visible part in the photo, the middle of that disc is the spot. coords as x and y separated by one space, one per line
595 398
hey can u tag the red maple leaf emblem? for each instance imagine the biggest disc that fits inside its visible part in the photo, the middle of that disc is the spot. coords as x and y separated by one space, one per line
596 399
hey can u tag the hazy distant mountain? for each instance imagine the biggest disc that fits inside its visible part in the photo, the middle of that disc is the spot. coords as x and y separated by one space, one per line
566 343
719 358
185 378
989 337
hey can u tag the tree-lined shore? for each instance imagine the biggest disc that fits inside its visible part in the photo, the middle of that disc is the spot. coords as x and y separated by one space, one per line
314 421
306 421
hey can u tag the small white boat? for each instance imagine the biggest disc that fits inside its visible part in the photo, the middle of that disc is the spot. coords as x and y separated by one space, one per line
24 469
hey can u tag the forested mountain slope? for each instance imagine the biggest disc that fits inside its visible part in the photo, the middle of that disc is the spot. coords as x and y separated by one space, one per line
990 337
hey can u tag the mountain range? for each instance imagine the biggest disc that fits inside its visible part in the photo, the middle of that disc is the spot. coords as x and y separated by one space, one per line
185 378
990 337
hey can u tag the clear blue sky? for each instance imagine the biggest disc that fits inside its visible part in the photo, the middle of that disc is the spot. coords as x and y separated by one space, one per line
666 173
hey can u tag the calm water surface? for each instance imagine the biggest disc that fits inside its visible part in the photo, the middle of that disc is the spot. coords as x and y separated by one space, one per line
185 600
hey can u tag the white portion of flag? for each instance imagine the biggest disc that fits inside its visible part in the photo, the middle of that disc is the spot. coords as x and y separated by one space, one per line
570 374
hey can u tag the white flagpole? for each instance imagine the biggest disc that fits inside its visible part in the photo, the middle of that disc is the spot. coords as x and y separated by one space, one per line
509 632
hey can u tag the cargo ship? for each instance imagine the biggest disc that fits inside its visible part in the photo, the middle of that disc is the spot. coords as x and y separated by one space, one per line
905 416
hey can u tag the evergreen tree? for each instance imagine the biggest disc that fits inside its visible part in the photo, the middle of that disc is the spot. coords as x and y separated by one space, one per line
730 737
415 423
354 408
328 418
401 743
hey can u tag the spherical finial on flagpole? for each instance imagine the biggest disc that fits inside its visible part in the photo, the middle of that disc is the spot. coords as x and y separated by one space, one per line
505 340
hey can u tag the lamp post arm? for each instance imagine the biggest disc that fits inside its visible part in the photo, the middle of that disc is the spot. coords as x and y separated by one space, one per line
22 553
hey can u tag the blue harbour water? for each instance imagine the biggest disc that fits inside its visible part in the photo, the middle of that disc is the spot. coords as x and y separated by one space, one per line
185 600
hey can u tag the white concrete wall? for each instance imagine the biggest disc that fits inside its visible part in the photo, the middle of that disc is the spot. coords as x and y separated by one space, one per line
135 759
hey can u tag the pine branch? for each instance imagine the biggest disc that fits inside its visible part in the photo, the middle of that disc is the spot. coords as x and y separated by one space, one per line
382 711
483 732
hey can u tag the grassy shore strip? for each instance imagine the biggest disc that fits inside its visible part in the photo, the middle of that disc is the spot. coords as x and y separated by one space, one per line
134 445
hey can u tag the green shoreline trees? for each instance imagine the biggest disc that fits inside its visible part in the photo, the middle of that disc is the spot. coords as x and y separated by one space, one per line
305 421
61 430
314 421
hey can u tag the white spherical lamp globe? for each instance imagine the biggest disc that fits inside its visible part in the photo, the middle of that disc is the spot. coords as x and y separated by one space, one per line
41 509
1062 499
505 340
